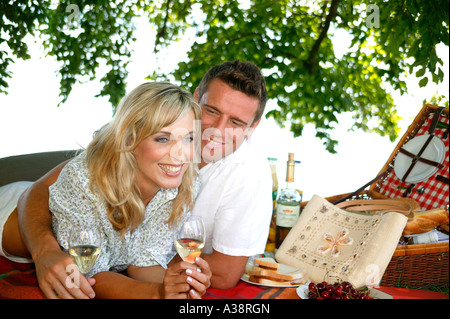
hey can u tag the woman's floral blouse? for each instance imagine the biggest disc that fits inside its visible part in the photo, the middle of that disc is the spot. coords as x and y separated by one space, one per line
73 205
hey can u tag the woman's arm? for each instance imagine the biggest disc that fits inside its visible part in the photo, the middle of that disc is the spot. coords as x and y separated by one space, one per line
112 285
152 273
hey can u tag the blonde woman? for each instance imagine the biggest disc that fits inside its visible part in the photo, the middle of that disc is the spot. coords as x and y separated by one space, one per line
136 181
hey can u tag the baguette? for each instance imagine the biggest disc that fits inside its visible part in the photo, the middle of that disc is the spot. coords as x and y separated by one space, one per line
422 222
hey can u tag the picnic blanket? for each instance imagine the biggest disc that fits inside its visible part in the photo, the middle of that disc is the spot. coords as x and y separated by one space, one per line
244 290
18 281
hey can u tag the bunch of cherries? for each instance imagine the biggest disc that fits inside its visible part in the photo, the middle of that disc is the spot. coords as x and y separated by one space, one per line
342 290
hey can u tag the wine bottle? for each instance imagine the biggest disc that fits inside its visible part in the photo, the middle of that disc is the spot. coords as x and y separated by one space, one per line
288 204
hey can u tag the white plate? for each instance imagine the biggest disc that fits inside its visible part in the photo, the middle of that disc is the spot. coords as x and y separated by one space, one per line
282 269
302 291
435 151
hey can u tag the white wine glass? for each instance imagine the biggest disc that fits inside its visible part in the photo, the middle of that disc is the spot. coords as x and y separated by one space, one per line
85 247
190 239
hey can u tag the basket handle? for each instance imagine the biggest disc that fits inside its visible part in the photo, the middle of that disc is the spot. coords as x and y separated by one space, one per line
435 119
359 190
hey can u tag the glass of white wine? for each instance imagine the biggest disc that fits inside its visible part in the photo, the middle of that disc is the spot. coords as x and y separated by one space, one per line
190 239
85 247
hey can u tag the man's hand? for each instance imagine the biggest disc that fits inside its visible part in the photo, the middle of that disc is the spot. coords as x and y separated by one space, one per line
185 280
59 277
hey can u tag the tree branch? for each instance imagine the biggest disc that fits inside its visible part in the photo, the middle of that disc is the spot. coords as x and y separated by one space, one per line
162 30
311 62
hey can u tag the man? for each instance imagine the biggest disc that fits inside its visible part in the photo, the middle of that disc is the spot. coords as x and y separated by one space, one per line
234 200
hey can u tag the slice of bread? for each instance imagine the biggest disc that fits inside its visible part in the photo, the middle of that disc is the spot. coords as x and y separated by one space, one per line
266 264
268 281
274 275
271 276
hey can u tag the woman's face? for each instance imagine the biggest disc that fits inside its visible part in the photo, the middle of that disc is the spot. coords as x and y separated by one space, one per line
163 158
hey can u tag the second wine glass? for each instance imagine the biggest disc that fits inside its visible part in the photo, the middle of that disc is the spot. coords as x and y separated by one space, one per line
190 239
85 247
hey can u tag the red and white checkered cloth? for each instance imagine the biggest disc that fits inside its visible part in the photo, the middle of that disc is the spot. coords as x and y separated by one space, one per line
436 193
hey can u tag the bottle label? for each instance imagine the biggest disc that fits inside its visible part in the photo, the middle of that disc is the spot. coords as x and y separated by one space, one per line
287 215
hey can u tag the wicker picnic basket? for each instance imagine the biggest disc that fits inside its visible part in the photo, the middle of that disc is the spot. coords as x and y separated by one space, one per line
422 265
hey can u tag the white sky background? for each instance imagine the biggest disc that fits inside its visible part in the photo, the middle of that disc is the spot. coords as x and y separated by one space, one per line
30 120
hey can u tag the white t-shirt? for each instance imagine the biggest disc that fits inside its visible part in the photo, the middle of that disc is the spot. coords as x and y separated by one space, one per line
235 202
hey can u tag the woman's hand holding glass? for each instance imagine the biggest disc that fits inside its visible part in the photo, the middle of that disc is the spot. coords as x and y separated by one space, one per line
191 277
187 280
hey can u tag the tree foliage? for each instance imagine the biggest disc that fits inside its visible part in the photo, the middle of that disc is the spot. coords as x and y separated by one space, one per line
291 40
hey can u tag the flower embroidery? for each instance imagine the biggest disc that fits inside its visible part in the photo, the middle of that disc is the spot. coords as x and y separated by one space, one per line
332 244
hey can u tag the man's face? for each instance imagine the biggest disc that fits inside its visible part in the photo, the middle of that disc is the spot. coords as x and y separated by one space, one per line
227 117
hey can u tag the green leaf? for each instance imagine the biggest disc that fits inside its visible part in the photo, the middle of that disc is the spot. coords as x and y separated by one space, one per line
420 73
423 82
289 40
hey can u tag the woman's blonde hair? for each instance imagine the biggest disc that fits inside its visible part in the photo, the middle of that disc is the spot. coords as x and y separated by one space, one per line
110 159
